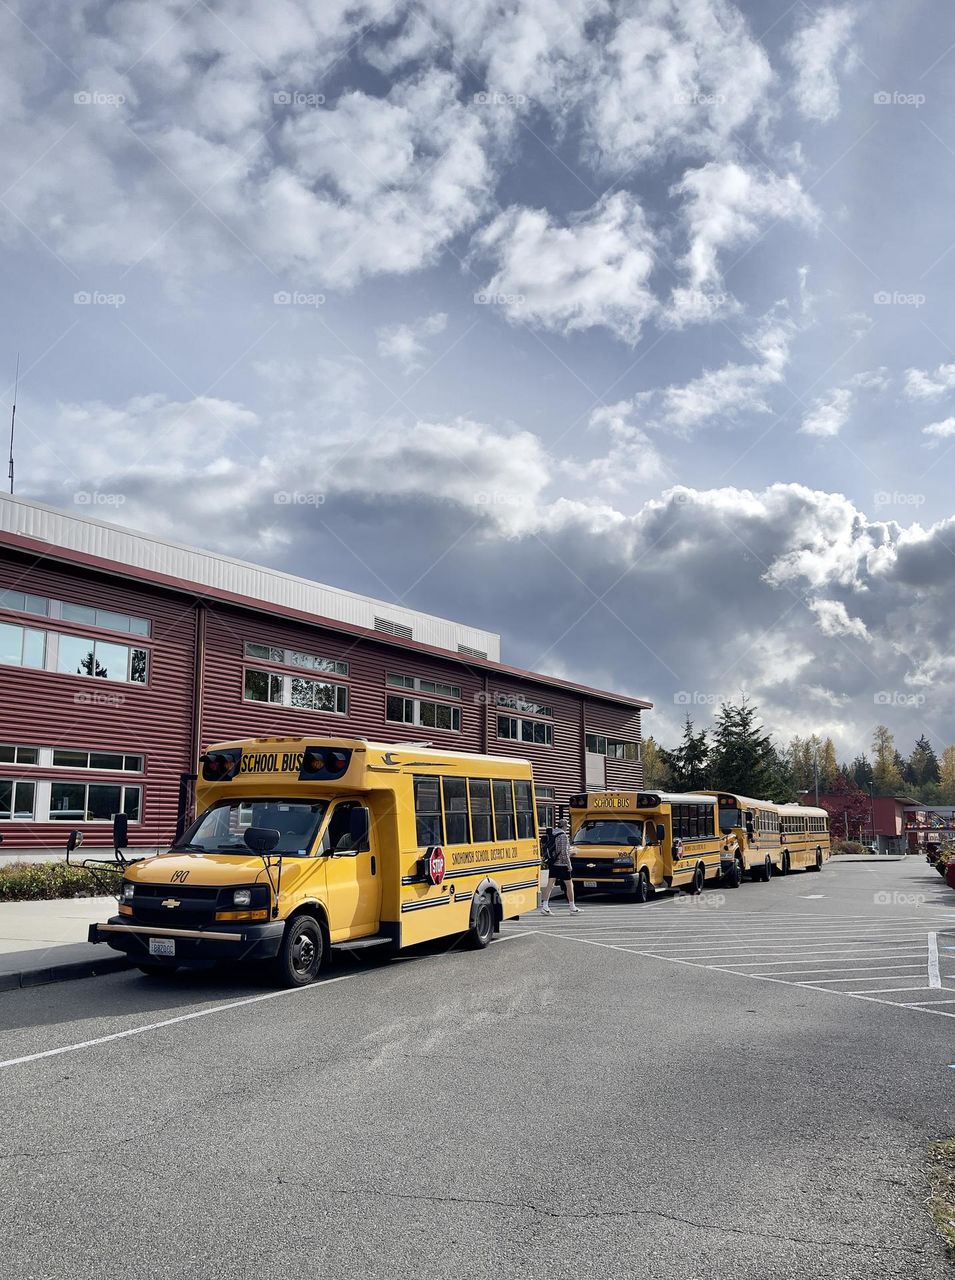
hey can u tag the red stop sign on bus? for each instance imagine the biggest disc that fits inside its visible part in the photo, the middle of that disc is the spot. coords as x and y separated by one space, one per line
434 864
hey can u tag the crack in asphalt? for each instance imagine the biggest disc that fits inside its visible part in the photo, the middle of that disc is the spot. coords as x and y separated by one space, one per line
558 1215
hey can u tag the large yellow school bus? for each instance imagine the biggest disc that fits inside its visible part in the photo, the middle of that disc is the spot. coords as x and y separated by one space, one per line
772 837
636 842
303 845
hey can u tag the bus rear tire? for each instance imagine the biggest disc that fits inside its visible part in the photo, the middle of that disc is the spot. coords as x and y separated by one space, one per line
482 924
301 953
817 865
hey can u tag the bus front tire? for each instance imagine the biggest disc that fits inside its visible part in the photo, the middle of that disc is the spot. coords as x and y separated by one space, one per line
643 891
699 880
817 865
482 924
767 872
735 877
787 865
300 955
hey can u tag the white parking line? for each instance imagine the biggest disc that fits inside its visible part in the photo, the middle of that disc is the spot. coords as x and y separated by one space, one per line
934 978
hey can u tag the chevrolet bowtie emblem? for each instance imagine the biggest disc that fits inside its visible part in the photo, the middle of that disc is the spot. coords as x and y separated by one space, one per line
172 902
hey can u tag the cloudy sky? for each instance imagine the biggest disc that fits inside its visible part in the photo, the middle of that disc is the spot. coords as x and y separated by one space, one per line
621 328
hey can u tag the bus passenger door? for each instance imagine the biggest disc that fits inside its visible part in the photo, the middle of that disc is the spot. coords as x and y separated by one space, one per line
353 879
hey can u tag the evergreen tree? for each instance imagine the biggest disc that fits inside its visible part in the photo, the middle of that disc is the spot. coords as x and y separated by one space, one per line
688 765
656 774
886 776
743 758
828 765
861 771
922 765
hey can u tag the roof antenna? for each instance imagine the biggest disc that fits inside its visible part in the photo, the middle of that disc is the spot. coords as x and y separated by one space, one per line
13 420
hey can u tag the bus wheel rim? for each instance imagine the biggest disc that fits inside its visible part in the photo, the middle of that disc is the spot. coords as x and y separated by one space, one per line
303 952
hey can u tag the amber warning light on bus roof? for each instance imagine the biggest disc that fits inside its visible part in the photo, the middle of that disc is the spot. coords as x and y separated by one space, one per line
323 763
221 766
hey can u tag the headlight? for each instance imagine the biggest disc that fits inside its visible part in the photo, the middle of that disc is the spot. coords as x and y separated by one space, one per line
623 862
128 891
242 897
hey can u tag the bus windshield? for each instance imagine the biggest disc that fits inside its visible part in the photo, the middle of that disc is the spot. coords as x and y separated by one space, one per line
729 818
610 831
222 828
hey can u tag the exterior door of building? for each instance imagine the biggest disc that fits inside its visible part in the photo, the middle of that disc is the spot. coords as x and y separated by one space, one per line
595 771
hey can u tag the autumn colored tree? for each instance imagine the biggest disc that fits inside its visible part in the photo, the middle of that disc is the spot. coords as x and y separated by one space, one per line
849 810
656 774
886 776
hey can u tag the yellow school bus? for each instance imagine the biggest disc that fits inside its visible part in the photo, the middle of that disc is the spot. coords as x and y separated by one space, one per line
304 845
772 837
636 842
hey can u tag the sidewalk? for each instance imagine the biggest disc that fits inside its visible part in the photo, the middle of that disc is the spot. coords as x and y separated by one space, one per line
44 942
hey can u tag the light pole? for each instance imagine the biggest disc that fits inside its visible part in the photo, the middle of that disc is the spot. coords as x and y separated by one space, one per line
872 813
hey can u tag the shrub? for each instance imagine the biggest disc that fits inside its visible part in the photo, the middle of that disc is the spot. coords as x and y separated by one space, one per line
848 846
41 881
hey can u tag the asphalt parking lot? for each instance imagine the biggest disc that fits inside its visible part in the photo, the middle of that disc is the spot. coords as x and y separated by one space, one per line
741 1085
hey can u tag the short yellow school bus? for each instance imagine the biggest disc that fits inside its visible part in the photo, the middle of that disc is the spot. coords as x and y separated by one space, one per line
302 845
770 837
635 842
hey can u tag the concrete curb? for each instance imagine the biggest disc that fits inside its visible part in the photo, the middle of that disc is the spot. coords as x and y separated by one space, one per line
41 976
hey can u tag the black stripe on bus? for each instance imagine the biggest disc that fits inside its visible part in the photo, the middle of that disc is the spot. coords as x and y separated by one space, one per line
525 884
426 902
458 873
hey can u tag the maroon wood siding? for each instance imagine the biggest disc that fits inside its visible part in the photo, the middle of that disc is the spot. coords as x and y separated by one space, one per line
47 709
40 708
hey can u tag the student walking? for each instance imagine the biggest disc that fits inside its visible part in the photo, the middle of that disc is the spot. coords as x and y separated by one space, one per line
559 870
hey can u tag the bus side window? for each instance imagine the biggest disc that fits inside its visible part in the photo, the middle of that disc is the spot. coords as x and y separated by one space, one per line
503 809
456 811
427 809
480 789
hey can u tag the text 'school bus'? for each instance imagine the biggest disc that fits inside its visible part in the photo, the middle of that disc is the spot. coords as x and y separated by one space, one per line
774 837
302 845
634 842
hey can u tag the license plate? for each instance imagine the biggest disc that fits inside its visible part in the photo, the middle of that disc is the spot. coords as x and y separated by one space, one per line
162 947
590 884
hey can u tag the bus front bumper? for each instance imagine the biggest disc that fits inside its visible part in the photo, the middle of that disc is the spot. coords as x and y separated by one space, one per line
625 883
190 947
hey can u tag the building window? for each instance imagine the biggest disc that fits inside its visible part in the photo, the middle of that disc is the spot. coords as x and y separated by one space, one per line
22 646
457 824
517 730
79 656
116 760
427 809
108 619
17 800
479 790
300 692
19 755
517 702
434 687
93 801
598 745
546 807
293 658
426 715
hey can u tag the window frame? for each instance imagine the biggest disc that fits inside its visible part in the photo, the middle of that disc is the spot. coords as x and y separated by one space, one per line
416 704
73 814
17 815
341 691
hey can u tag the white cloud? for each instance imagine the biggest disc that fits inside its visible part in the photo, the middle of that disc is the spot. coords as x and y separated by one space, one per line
405 342
871 379
940 430
834 620
819 51
920 384
733 388
726 205
828 414
679 76
632 459
593 271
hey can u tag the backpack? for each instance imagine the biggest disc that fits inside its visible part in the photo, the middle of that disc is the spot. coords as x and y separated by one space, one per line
549 847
